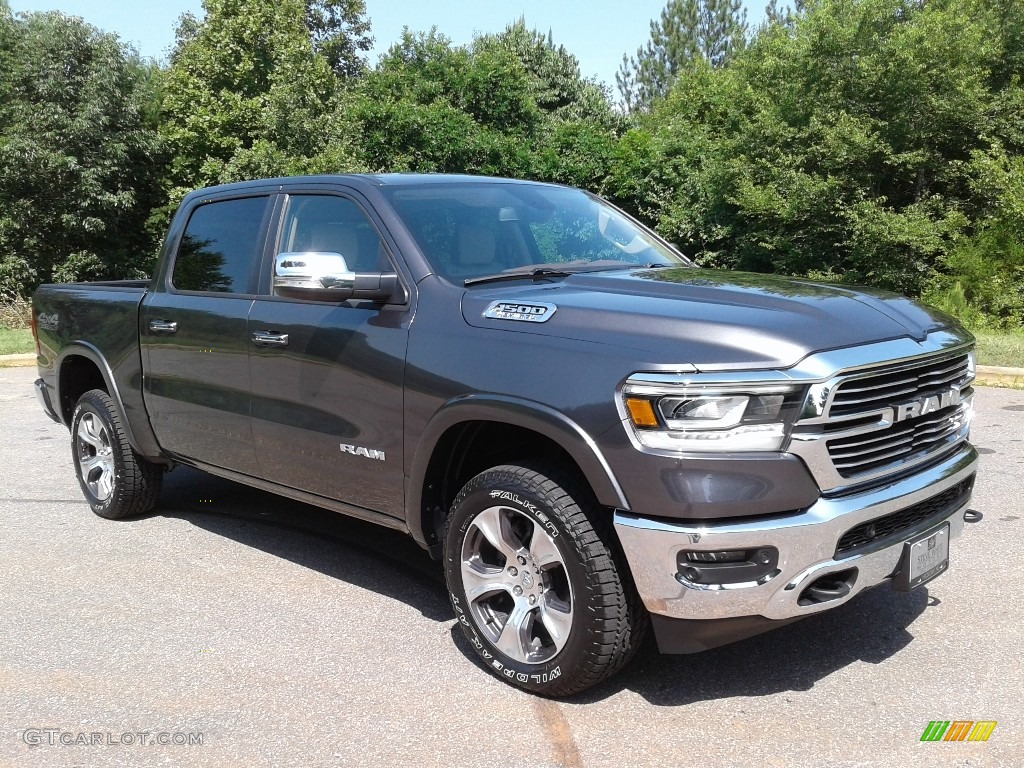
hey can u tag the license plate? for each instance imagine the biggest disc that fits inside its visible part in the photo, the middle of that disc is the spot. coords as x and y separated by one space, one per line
924 558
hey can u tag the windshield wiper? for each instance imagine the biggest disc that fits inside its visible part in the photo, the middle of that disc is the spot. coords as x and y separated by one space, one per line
534 274
539 273
650 265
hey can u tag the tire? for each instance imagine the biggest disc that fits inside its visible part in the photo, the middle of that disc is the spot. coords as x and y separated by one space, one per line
538 582
116 481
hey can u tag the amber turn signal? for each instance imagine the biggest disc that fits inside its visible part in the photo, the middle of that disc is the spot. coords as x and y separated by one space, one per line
641 412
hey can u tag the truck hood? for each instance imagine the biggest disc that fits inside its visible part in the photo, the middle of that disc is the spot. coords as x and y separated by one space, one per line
713 320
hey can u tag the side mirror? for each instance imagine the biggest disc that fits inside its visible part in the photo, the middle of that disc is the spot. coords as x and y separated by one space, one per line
325 276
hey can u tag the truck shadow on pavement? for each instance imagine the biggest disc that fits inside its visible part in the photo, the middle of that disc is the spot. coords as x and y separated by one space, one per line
341 547
870 629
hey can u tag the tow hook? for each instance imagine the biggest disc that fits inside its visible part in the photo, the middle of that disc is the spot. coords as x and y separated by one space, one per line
972 516
831 586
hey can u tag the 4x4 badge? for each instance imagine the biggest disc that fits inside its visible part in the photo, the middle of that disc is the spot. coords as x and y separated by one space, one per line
533 312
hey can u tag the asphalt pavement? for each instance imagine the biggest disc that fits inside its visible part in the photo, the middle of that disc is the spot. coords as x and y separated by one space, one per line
242 629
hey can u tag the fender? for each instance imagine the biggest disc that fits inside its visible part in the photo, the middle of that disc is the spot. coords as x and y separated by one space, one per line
140 436
528 414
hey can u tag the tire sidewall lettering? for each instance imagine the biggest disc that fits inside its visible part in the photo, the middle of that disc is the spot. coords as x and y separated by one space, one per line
532 676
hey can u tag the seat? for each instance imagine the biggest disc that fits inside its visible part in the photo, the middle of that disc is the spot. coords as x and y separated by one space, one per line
477 253
336 237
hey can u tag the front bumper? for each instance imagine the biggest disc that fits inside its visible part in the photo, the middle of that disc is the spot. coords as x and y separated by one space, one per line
806 542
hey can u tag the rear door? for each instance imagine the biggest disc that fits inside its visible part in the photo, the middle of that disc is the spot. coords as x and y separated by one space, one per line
327 400
195 335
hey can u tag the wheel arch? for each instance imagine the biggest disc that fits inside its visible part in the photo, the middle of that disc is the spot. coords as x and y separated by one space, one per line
81 367
448 452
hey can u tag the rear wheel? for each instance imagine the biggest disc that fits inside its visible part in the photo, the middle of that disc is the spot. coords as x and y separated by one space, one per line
116 481
537 582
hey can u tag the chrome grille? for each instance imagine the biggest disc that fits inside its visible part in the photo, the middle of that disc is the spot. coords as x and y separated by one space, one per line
858 454
863 425
881 390
870 445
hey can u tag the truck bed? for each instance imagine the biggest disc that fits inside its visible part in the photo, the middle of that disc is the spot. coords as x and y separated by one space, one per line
98 321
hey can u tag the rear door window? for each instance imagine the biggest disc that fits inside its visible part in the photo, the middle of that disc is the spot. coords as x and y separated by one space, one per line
220 249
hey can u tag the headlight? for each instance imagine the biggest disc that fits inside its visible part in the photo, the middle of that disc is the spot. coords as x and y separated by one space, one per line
716 411
752 417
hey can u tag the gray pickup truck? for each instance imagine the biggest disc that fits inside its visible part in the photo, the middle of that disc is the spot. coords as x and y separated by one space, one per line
597 438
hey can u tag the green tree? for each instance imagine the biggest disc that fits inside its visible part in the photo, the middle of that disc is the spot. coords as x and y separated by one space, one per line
847 145
340 33
783 14
511 103
556 84
982 278
79 161
687 31
432 106
8 42
575 137
248 95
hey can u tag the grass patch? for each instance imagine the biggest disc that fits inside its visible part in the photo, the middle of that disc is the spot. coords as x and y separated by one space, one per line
16 341
15 336
1005 349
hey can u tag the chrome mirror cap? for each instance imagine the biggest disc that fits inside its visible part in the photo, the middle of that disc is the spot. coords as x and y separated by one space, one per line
325 276
320 271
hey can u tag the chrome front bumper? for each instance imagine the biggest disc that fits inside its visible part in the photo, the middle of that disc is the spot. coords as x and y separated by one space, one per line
806 543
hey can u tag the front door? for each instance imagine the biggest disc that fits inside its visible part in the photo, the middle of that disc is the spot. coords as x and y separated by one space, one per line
327 404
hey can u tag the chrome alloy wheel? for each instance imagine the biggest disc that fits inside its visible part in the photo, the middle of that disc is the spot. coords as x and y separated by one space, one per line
95 456
516 585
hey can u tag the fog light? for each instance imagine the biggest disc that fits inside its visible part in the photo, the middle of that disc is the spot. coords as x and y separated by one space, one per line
727 556
727 566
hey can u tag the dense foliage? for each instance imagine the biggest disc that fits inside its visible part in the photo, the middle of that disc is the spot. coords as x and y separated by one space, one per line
248 94
79 158
873 141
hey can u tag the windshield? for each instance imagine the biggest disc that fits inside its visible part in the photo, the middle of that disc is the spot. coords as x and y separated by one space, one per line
478 229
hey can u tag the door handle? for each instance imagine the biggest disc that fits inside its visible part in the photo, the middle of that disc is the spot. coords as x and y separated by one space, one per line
269 339
163 326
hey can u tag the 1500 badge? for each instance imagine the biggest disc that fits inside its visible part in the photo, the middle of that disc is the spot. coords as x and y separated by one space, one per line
533 312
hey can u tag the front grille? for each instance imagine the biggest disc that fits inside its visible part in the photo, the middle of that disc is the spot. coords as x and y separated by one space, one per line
875 391
907 441
892 526
862 413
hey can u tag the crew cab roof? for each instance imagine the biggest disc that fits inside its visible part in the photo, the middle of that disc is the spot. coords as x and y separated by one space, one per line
361 179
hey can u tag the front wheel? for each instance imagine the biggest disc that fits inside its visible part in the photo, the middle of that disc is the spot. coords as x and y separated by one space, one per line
537 582
116 481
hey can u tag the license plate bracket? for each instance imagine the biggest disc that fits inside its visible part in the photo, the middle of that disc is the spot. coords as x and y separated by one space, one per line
924 558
